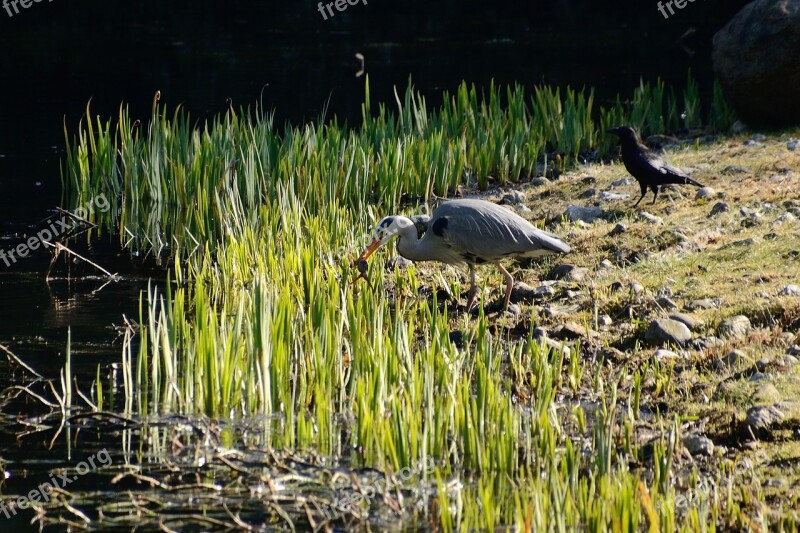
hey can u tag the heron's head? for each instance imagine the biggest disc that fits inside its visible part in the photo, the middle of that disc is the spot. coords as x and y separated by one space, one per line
384 231
624 133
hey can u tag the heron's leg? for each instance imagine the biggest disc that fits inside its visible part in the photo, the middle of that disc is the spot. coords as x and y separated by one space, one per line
509 285
472 295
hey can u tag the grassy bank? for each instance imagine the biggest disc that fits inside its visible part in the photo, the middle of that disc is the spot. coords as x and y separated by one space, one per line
588 428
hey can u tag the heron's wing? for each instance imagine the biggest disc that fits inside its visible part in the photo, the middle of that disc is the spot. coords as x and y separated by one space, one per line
482 231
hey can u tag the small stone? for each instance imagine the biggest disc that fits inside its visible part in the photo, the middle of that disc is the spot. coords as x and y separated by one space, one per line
665 355
588 193
735 358
522 208
761 418
569 273
791 290
513 309
400 262
766 394
759 137
704 343
667 330
613 196
765 362
605 264
786 218
572 295
738 127
719 207
787 360
589 180
619 229
624 182
691 322
636 287
554 345
572 331
751 142
513 198
666 303
794 350
575 213
788 337
698 445
652 219
604 320
541 181
703 303
705 193
792 145
737 326
544 290
539 332
733 169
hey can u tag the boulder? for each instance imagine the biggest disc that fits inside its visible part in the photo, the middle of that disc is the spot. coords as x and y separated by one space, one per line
755 58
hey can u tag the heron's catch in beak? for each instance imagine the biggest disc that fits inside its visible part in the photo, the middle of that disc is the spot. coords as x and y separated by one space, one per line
361 263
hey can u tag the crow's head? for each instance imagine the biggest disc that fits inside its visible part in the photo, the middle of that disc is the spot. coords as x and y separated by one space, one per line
625 134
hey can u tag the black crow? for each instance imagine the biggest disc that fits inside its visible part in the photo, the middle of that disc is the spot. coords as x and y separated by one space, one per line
648 169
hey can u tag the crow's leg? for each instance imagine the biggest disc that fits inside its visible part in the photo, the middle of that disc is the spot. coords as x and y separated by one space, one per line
655 193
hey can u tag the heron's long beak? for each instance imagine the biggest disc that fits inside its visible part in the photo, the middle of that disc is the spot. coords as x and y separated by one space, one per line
369 250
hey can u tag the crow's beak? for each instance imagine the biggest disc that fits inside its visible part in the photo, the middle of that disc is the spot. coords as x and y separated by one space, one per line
369 250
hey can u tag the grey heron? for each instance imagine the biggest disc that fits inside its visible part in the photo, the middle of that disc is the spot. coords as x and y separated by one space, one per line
466 231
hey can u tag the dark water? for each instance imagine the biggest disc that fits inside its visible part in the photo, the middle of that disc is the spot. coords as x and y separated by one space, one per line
207 54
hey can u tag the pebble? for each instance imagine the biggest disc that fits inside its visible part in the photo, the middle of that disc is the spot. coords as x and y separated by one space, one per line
791 290
666 303
735 358
720 207
792 145
575 213
667 330
544 290
786 218
572 331
540 181
703 303
588 193
787 360
569 273
764 417
513 198
737 326
691 322
734 169
619 229
652 219
623 182
766 394
539 332
555 345
665 355
605 263
705 192
636 287
794 350
604 320
698 445
613 196
399 261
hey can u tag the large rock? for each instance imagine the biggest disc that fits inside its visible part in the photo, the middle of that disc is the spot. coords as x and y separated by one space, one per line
755 58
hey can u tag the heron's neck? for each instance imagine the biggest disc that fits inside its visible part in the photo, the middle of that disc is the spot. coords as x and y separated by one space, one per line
410 246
